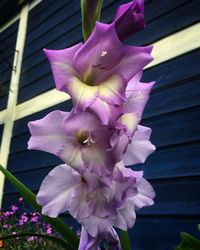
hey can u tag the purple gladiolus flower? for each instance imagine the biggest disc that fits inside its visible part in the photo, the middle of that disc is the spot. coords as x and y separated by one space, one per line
101 135
80 140
95 74
96 206
129 18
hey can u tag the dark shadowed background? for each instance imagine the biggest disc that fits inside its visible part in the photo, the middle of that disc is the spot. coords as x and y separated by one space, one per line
172 111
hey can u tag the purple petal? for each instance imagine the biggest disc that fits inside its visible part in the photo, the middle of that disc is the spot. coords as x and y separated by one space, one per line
106 113
82 95
62 64
56 190
88 242
82 121
132 84
101 52
113 240
137 94
137 195
126 216
71 154
112 91
145 195
85 142
99 160
95 225
139 148
119 144
48 134
103 56
80 207
93 150
124 179
129 18
94 182
133 61
128 123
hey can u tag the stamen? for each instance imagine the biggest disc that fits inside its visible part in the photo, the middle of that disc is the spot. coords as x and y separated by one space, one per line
84 138
104 52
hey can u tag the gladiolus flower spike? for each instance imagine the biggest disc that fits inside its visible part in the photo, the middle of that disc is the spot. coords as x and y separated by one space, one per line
101 136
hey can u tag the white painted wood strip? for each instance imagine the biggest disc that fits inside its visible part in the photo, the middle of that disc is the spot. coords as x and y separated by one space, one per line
9 117
2 116
40 102
165 49
176 44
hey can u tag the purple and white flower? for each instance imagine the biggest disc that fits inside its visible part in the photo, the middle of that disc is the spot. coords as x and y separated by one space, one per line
98 208
101 135
95 74
80 140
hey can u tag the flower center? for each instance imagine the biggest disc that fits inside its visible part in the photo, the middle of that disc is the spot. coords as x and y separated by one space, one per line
84 138
97 69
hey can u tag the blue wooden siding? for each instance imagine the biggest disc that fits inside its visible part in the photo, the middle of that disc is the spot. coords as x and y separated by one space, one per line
172 113
7 50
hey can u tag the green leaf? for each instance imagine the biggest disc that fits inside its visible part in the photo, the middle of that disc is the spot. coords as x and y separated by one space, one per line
188 242
30 197
125 241
198 227
45 236
91 12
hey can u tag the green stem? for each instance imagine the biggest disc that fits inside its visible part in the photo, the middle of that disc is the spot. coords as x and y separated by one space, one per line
125 241
88 22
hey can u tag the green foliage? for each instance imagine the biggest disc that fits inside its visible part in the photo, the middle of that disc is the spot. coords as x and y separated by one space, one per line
91 11
38 242
125 241
72 241
188 242
21 229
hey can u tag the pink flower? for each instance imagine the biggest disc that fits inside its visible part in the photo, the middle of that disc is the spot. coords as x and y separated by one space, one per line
23 219
49 231
14 208
5 226
20 199
35 218
31 238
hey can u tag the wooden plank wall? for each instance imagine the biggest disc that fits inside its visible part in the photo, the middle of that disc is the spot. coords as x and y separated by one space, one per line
7 50
172 113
